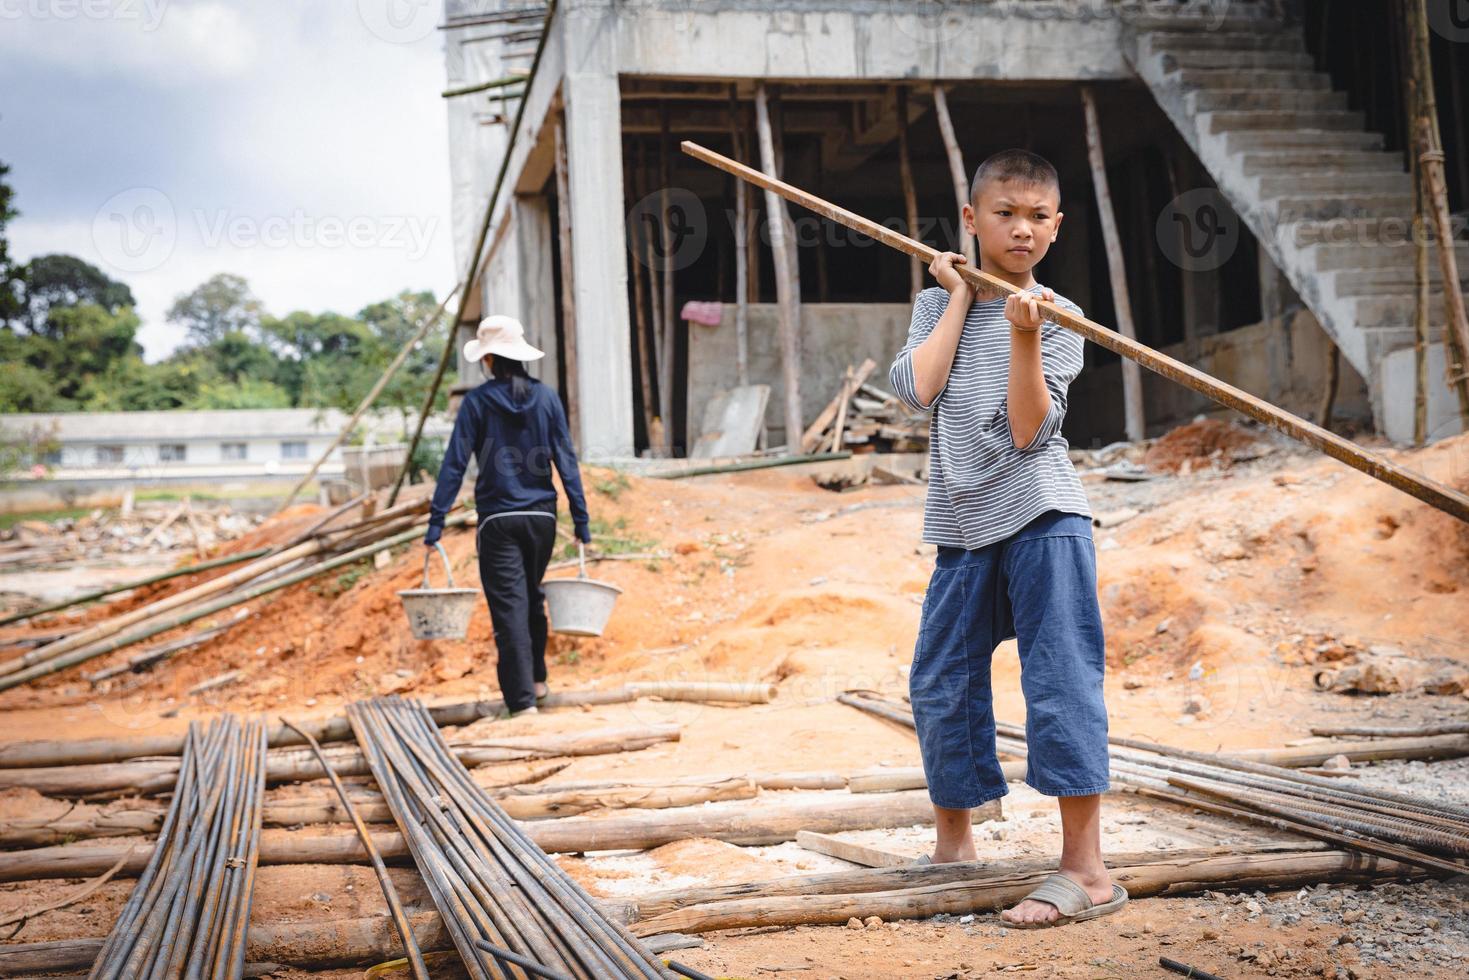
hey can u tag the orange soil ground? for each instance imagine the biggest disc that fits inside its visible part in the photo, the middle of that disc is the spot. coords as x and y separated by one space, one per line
770 578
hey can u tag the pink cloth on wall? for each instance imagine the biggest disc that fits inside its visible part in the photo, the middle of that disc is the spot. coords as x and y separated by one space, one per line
708 313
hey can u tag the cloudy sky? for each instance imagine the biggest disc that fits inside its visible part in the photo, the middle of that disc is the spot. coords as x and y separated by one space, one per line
300 144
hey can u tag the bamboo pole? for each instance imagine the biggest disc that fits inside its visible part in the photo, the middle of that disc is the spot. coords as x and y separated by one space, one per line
202 566
957 172
1403 32
1132 381
910 198
1431 160
572 394
398 361
634 168
757 693
471 275
158 624
670 313
1344 450
157 608
785 300
1333 376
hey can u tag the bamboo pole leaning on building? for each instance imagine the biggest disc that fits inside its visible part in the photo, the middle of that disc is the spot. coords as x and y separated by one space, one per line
424 326
1431 492
471 276
956 170
910 194
1429 148
786 302
742 252
568 278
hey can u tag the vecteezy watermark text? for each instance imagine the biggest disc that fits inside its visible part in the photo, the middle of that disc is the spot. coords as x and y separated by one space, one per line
147 13
136 230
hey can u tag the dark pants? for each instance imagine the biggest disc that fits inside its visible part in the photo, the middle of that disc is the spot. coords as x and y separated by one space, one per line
513 553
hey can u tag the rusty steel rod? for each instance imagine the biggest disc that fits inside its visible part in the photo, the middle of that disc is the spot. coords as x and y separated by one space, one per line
1430 491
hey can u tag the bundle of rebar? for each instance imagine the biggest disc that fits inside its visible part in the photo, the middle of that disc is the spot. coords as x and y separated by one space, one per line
317 550
491 884
188 913
1428 834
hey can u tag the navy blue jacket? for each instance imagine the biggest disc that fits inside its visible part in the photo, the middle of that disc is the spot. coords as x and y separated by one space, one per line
516 446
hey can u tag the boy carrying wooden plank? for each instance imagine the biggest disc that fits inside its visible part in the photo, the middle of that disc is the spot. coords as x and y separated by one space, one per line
1015 552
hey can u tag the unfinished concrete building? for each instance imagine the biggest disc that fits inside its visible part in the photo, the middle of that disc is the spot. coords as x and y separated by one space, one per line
1254 153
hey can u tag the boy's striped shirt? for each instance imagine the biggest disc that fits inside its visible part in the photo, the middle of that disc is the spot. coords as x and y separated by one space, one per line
981 487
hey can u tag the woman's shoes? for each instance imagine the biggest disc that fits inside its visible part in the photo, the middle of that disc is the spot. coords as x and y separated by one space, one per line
543 690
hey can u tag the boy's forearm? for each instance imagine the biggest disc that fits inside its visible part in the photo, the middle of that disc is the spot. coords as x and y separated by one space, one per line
933 358
1027 398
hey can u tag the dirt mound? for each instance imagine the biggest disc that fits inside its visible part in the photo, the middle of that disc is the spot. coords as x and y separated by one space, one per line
1206 442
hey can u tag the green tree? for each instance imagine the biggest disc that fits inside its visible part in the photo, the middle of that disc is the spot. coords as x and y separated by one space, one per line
53 282
220 306
10 285
394 322
80 344
244 393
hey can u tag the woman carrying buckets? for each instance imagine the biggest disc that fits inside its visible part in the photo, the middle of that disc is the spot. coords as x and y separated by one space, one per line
517 431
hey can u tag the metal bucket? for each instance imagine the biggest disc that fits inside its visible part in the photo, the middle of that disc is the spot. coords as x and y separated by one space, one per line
580 606
439 614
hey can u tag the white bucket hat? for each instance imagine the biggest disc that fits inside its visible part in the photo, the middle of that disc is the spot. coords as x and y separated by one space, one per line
502 336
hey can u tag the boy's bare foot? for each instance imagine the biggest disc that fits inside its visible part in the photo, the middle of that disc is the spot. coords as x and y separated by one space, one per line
1098 888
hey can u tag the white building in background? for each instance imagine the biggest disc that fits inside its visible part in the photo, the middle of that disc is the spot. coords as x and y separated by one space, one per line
237 445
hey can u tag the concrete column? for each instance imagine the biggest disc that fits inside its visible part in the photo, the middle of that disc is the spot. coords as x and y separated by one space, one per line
599 255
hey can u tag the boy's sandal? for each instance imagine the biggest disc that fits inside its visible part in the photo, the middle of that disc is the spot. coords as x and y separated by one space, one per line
1071 901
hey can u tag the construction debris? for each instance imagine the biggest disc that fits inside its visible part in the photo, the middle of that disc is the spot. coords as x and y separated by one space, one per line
865 418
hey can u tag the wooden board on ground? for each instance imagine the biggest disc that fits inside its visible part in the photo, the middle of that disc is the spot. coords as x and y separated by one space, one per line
733 421
868 857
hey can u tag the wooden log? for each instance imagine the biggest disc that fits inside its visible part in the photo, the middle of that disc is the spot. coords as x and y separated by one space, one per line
767 822
912 777
868 857
57 752
1408 731
991 892
756 693
1430 747
914 876
145 776
759 823
314 944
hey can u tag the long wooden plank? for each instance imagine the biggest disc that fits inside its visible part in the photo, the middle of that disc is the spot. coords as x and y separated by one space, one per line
1430 491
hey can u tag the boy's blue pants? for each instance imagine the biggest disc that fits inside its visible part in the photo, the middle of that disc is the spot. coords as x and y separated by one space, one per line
1038 586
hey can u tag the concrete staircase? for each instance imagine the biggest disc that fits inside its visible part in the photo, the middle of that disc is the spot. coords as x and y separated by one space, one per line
1331 208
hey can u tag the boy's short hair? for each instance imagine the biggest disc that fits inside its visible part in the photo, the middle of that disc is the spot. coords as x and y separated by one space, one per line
1018 165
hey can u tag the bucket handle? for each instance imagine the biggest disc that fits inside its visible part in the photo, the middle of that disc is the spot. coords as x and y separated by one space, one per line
581 554
448 573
